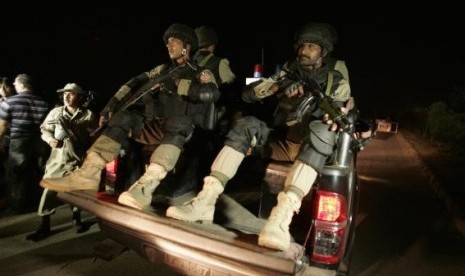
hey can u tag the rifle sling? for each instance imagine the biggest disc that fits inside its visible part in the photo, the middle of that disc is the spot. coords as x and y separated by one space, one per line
330 83
205 60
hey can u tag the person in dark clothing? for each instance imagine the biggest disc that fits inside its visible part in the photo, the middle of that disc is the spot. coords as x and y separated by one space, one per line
175 106
7 89
227 106
22 115
206 58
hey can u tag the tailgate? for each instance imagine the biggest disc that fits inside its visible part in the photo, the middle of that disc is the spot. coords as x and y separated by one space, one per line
190 248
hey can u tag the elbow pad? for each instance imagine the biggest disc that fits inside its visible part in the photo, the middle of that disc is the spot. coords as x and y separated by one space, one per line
263 88
205 93
248 95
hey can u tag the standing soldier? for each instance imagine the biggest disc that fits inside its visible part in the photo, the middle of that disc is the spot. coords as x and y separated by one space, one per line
66 129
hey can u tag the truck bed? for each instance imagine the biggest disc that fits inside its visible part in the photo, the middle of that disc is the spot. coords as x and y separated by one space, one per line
190 248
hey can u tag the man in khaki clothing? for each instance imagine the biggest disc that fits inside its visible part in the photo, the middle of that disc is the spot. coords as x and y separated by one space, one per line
66 129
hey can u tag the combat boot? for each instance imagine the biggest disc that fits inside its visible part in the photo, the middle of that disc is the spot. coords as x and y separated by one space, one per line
275 234
42 232
139 195
85 178
202 207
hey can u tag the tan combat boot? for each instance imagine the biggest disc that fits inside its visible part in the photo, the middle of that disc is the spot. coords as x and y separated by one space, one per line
202 207
275 234
85 178
139 195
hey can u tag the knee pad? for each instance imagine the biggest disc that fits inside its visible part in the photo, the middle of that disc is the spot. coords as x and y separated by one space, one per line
245 131
120 125
318 146
178 130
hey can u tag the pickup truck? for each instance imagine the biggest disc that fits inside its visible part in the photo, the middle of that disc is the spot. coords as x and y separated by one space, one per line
323 232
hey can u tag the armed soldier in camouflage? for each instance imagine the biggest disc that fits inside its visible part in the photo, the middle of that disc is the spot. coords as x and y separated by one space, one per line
224 111
66 130
175 106
307 143
206 58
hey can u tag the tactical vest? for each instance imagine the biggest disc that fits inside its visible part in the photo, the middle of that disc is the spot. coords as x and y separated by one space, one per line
325 77
155 103
207 60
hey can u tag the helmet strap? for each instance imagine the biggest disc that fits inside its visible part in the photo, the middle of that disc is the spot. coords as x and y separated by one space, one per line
324 52
319 62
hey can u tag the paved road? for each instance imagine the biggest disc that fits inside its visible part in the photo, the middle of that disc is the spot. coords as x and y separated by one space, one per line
63 253
403 226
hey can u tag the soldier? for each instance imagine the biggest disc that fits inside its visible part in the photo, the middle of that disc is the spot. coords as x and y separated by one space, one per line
66 129
179 96
223 112
308 143
206 58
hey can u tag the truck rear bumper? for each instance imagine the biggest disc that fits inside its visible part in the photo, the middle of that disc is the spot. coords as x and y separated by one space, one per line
190 248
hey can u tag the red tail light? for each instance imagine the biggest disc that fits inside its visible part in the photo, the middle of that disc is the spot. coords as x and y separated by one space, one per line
330 227
112 167
330 207
111 170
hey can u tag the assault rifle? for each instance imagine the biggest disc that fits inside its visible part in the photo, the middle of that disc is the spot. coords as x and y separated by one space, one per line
326 103
148 87
67 132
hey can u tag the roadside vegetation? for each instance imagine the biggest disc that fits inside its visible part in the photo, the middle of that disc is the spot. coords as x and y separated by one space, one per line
437 132
442 122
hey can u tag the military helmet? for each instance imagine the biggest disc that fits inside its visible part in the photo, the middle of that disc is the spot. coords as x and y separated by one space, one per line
320 33
183 32
206 36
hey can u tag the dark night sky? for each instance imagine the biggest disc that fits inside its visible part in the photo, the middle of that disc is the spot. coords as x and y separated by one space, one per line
397 58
